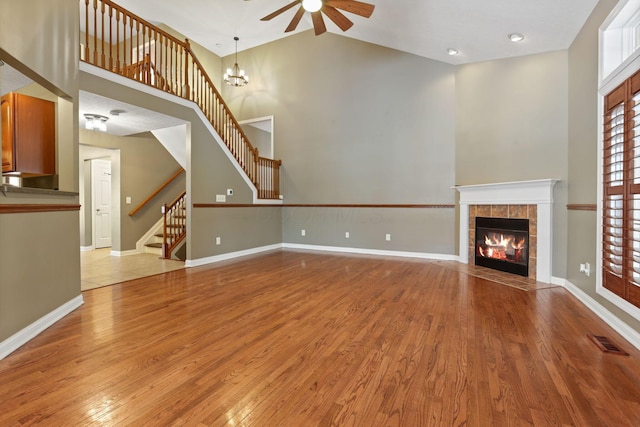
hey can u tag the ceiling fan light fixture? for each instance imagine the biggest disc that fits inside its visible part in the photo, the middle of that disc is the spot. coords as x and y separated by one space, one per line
312 5
236 76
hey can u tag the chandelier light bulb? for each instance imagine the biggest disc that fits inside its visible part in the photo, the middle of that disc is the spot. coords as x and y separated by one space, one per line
235 76
312 5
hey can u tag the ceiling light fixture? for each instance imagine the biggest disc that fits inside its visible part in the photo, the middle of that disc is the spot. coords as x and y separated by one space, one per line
95 122
236 76
451 51
516 37
312 5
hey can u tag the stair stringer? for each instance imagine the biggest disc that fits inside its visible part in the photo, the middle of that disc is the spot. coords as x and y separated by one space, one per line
149 237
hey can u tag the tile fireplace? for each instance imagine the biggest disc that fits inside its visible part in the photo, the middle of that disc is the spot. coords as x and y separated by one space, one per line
528 202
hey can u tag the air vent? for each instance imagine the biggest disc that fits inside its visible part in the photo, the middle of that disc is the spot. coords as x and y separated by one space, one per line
606 345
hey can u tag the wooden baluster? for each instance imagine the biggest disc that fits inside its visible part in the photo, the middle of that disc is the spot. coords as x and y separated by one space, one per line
103 58
186 68
118 64
110 65
130 67
87 53
95 30
164 231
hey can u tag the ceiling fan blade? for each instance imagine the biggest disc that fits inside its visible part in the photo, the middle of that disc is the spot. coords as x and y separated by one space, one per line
281 10
296 20
338 18
318 23
352 6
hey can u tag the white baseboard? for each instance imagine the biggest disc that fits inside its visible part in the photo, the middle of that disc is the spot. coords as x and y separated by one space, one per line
86 248
20 338
125 253
444 257
230 255
559 281
618 325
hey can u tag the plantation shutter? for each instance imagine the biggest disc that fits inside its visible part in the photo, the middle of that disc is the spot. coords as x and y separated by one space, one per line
621 182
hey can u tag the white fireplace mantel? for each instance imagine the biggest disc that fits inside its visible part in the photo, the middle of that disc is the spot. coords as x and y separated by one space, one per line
536 192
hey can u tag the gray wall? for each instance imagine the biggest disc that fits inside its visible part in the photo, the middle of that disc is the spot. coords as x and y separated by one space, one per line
583 151
512 125
40 263
50 58
209 172
356 123
144 165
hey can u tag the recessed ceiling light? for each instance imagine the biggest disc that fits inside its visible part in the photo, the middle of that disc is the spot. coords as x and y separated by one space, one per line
451 51
516 37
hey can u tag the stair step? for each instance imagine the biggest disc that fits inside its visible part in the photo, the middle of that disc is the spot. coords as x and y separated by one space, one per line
169 235
154 245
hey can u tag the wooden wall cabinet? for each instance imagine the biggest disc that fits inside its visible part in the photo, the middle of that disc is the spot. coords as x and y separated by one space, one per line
28 135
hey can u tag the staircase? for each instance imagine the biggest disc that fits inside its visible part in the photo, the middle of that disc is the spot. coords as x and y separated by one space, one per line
118 41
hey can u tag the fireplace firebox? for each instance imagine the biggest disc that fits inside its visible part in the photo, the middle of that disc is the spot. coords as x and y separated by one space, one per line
503 244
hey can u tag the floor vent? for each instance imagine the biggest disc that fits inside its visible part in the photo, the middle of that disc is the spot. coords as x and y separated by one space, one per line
606 345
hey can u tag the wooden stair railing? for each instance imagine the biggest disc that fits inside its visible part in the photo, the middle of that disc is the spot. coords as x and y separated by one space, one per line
117 40
156 192
174 229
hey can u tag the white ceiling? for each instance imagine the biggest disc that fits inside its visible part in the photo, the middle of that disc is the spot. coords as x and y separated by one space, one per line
129 119
477 28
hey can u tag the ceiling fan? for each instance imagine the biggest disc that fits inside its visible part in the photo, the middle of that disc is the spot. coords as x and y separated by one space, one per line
329 8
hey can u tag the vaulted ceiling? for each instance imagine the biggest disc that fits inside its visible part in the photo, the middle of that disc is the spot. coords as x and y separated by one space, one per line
476 28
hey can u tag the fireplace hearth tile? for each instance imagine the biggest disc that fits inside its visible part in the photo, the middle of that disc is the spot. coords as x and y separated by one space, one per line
500 277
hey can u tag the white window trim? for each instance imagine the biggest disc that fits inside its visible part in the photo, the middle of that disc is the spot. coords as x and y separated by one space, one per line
615 41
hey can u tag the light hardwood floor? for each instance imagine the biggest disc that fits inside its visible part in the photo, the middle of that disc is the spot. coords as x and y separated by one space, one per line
304 339
99 268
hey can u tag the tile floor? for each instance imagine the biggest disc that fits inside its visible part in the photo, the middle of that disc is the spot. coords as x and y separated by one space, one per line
99 268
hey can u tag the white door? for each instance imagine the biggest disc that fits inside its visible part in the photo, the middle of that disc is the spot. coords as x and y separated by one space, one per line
101 202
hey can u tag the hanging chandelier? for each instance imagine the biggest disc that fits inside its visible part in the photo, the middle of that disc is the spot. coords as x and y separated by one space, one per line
235 76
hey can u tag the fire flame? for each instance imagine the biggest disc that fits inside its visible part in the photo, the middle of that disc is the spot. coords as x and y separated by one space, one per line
497 246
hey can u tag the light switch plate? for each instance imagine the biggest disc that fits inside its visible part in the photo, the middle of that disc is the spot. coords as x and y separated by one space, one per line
128 200
221 198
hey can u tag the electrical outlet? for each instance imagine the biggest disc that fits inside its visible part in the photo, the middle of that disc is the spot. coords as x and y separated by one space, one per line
388 237
218 240
221 198
346 235
585 268
303 232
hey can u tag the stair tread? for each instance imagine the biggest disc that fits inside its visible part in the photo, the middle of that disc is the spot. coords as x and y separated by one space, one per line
154 245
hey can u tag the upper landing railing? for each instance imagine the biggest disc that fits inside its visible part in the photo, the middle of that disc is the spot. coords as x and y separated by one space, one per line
116 40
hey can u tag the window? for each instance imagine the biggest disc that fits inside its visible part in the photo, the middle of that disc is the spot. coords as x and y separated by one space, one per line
621 191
